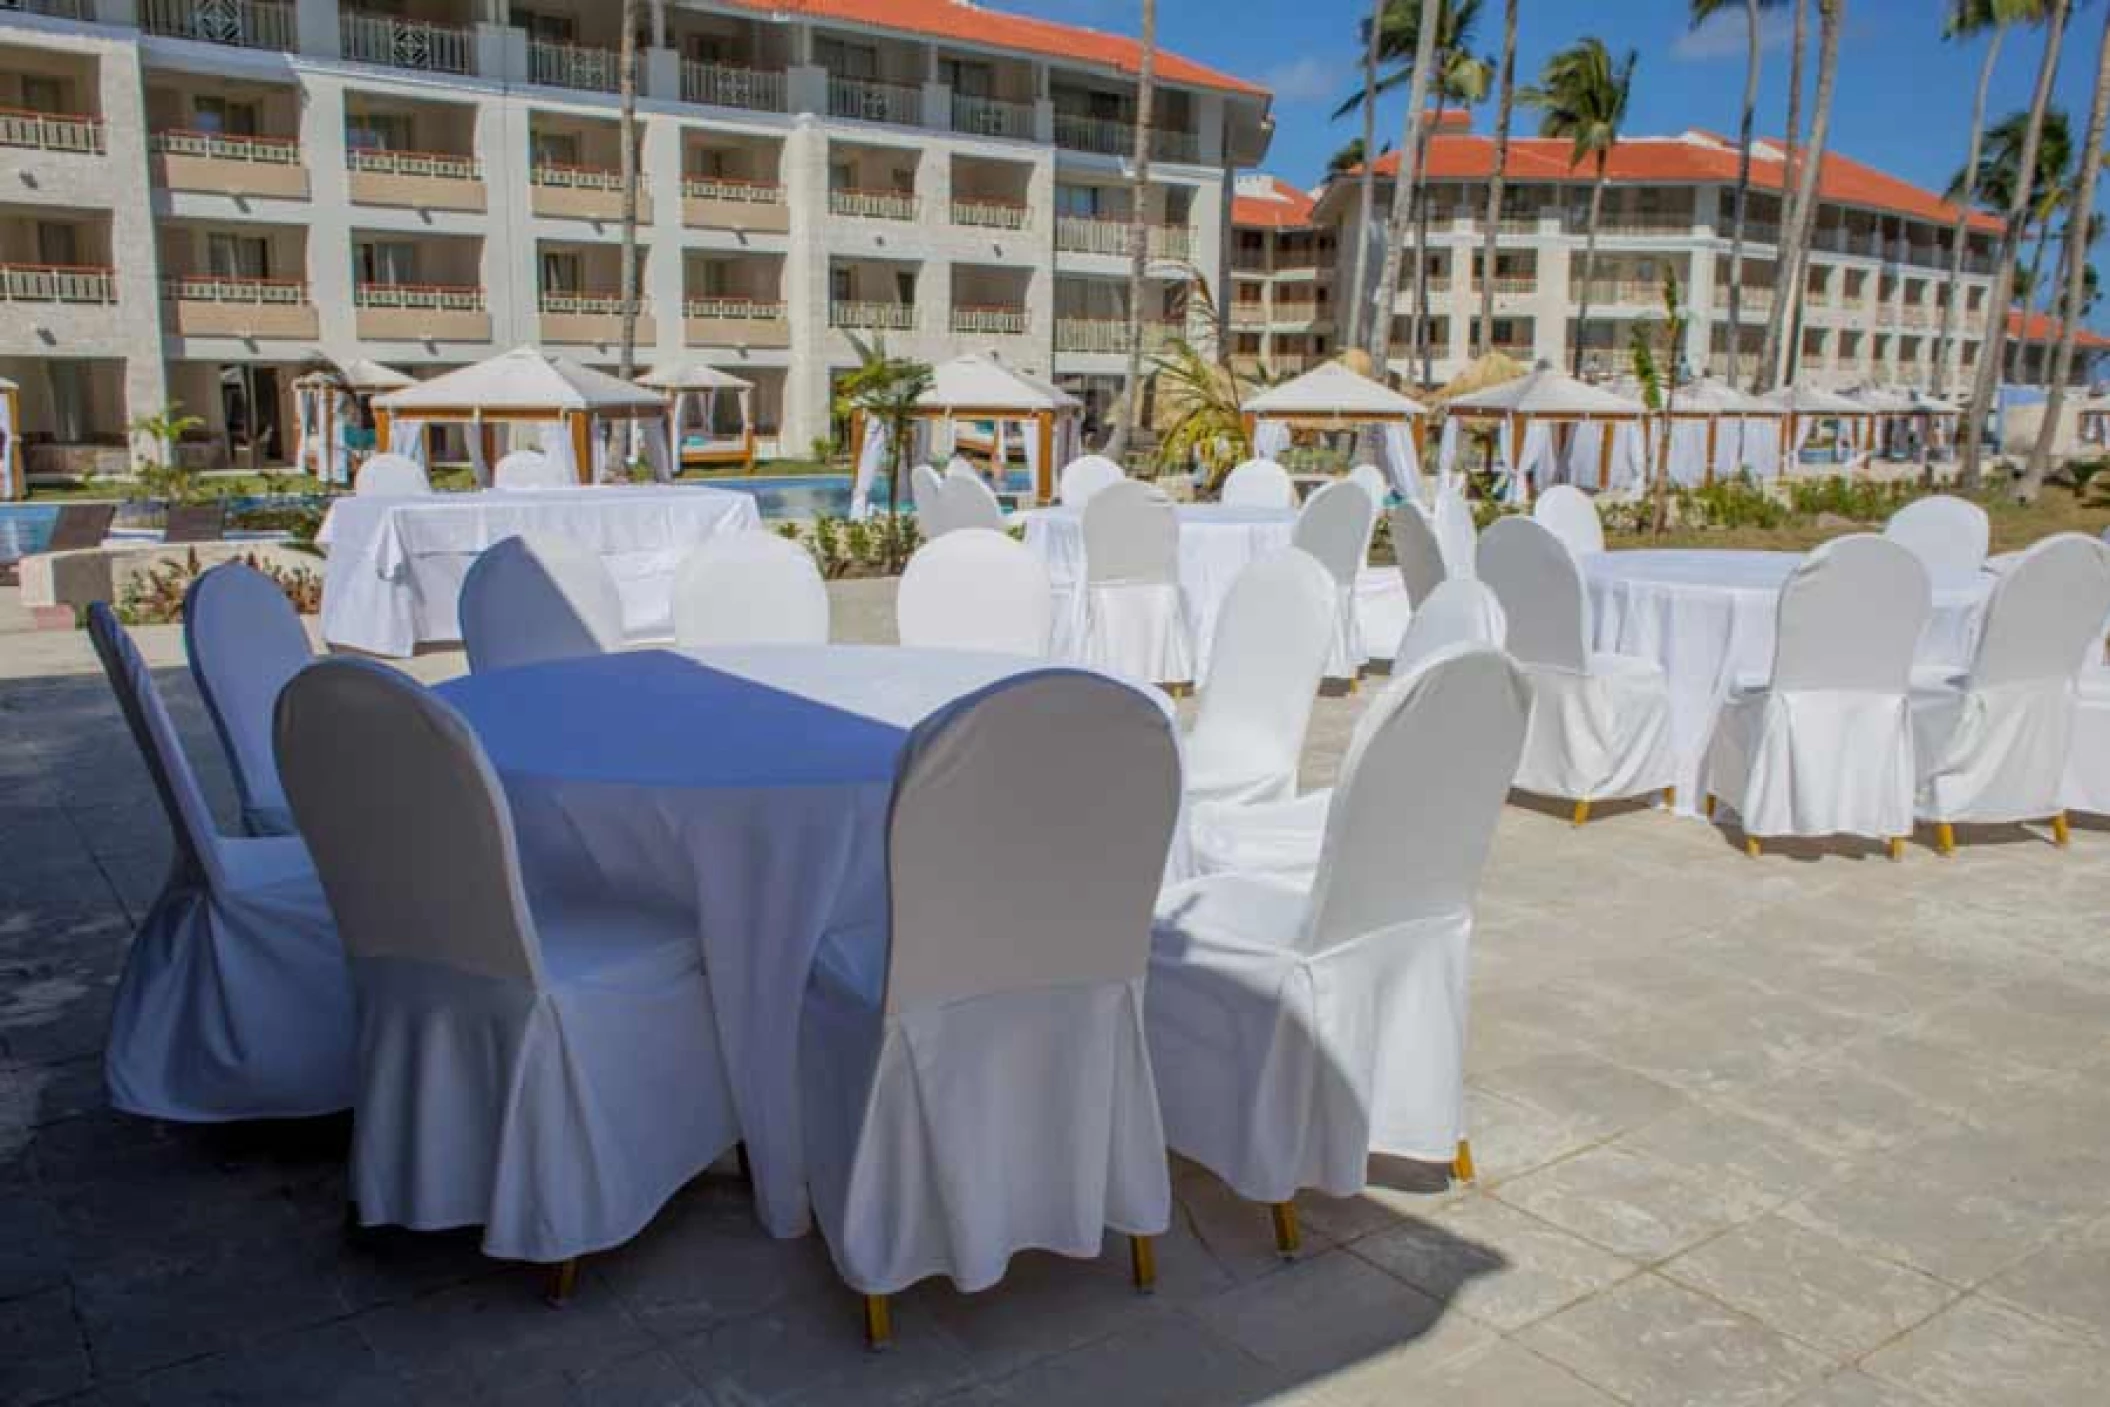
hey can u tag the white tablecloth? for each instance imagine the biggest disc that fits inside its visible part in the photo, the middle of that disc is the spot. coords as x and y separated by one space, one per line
396 565
1707 618
750 785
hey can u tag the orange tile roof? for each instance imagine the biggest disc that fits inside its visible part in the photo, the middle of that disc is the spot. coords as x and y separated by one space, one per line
2046 329
1698 157
1284 207
958 19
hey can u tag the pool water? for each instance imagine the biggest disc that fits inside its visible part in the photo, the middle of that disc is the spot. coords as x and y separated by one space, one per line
25 528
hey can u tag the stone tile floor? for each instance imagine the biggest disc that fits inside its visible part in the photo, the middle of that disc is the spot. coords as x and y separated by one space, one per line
1816 1129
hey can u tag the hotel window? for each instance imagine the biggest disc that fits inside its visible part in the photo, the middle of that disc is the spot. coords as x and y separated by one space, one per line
846 60
1079 202
384 261
904 286
378 131
57 244
223 116
971 80
561 272
841 285
550 29
237 256
46 95
554 148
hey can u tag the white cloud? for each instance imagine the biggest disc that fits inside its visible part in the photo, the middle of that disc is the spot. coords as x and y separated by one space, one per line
1312 78
1723 35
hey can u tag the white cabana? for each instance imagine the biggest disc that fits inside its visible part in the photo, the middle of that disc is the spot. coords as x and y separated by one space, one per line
1710 430
14 471
1602 429
1806 407
1893 419
573 405
2093 417
1333 396
978 387
692 390
323 402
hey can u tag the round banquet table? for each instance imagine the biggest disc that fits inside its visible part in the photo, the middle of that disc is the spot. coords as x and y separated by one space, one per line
1706 616
749 786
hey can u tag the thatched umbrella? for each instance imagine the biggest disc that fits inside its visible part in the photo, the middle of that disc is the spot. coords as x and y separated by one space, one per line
1492 369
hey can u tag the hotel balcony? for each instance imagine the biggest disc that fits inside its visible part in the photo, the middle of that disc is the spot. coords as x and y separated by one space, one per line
57 283
253 309
992 321
723 85
239 167
594 319
990 300
1085 335
1082 235
1249 314
242 24
65 132
859 315
446 44
990 194
1081 132
412 154
720 203
868 100
734 322
992 117
581 66
50 102
990 213
415 312
882 204
582 193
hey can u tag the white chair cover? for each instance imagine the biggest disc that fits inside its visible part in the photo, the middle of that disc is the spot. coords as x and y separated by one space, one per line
1825 746
1272 638
969 503
1381 602
975 590
1456 613
1335 527
234 1002
1571 515
967 1099
925 489
1951 536
532 598
1372 479
1600 723
1082 478
749 588
1456 535
391 476
1422 562
1135 623
1447 455
1992 747
244 641
551 1074
529 469
1259 483
2086 786
1403 461
1296 1032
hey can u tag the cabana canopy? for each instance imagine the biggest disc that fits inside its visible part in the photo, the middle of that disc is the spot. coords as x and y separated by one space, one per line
1709 428
1548 393
1490 370
521 386
319 402
693 387
364 374
1334 396
976 386
1531 408
1804 406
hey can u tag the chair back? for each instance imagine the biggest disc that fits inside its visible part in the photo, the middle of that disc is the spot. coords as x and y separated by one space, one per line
537 597
2044 613
1258 483
391 476
529 469
1083 478
960 467
1541 591
81 525
195 522
1059 850
1950 535
1850 617
975 590
1373 483
189 815
1455 534
924 485
1131 535
1456 613
1421 788
1571 515
406 821
1335 526
1270 650
244 641
969 503
749 588
1414 547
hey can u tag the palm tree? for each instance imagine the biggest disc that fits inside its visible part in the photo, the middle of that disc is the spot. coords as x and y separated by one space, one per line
1462 78
886 388
2054 187
1987 374
1702 11
1777 349
1762 369
1490 236
1404 183
1346 160
1138 231
627 134
1582 95
2073 305
1366 177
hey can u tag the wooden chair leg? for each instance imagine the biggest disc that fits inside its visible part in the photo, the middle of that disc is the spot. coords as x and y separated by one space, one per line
1945 838
1287 1239
559 1281
1897 847
1670 798
1462 1165
879 1323
1582 812
1708 805
1751 846
2061 831
1143 1264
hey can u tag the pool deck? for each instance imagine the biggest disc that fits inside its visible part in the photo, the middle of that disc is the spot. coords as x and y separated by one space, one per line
1813 1129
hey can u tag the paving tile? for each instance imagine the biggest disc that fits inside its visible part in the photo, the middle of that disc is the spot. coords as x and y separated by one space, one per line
500 1331
1046 1305
331 1366
1502 1266
704 1260
1978 1354
1162 1360
41 1352
1836 1105
1853 1388
1631 1204
814 1351
33 1254
1597 1096
1511 1138
1711 1142
1503 1374
2068 1281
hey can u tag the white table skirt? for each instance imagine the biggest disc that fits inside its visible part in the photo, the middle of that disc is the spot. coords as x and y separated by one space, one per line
1707 618
394 576
750 785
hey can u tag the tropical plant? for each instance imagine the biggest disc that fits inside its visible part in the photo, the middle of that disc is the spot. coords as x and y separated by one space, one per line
165 477
1347 159
1582 95
1138 231
1991 184
1657 373
1404 181
1200 399
1366 176
886 389
1702 11
627 137
1490 237
2075 298
156 596
1802 213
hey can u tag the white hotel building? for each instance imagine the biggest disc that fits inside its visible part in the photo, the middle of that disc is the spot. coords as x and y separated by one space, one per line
198 196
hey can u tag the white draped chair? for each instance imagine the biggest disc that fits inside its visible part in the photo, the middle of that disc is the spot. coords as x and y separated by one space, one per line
749 588
1382 605
1082 478
1422 566
1135 622
234 1003
1571 515
969 503
1335 527
1297 1030
1824 745
966 1099
1456 613
1992 746
536 597
926 491
1258 483
548 1071
1272 638
1456 535
1950 535
244 640
529 469
2086 785
1373 483
1600 723
975 590
391 476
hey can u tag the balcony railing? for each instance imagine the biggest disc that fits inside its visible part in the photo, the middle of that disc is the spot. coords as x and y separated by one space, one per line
1625 224
57 283
1624 290
59 9
433 297
50 131
985 212
407 43
881 317
244 24
1078 234
1110 334
733 309
726 188
1249 315
590 304
872 205
217 146
1110 138
868 101
1002 322
212 288
1511 286
574 66
579 178
722 85
433 165
988 117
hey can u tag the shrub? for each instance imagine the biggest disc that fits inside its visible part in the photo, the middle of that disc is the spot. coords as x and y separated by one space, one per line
156 596
857 546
